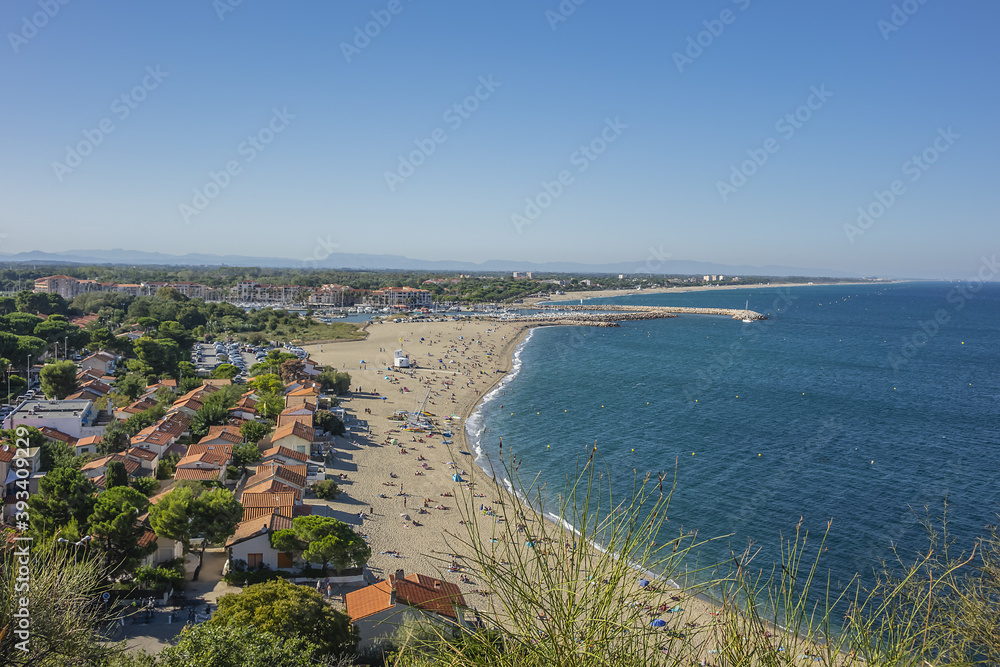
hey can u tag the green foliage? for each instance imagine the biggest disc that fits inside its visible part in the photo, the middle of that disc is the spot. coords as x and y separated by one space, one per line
286 610
64 495
245 453
225 371
115 529
167 466
159 356
131 385
327 421
63 621
147 486
325 540
336 381
253 432
115 475
291 369
161 578
327 489
266 383
251 577
58 379
185 513
233 645
56 454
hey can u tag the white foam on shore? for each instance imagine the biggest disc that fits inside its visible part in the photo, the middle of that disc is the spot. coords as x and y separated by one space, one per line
474 424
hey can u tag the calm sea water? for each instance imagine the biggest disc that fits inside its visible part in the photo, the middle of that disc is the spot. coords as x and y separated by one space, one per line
852 404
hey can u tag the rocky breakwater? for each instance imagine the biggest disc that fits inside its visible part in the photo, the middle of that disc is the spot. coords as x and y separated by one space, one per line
571 317
656 312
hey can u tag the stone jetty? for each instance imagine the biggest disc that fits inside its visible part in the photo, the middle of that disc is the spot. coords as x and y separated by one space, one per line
611 314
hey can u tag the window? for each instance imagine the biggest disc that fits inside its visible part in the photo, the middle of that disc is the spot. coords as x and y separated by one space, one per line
255 561
284 560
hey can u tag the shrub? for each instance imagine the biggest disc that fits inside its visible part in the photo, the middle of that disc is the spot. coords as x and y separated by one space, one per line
327 490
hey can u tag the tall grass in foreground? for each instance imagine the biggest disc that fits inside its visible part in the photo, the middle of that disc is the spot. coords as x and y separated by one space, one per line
557 600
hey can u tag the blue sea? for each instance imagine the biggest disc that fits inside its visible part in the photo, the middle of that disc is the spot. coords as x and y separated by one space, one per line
857 405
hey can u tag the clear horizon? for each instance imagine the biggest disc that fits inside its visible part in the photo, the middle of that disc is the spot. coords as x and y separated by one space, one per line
855 137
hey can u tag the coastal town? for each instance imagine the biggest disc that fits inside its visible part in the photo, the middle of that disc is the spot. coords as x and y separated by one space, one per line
342 466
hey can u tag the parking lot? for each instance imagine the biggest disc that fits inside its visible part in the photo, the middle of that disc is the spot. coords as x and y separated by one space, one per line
208 356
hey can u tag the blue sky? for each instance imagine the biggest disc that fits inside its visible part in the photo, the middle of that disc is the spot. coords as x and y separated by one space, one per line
665 122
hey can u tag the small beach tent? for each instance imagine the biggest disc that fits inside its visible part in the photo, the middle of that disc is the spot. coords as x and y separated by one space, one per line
644 582
456 477
659 623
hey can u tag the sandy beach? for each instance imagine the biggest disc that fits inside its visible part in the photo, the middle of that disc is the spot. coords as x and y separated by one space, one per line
403 499
459 362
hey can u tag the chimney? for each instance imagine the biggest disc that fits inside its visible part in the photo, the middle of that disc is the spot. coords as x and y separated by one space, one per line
399 574
437 585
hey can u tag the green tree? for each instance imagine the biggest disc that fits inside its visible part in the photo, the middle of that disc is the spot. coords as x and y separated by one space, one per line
147 486
116 438
287 610
115 475
187 512
335 381
327 421
327 489
177 333
225 372
160 355
208 415
267 383
21 323
30 345
291 369
245 454
55 328
59 379
116 530
64 495
64 621
325 540
254 432
207 645
131 385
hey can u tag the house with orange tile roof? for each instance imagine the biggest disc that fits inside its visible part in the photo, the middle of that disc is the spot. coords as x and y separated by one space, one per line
134 408
251 543
223 434
95 469
256 505
309 394
272 472
160 436
378 610
146 458
294 436
102 362
284 456
87 445
56 435
302 413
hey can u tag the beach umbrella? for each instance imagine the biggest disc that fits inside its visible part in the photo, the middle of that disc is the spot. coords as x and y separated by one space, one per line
456 477
405 516
644 582
659 623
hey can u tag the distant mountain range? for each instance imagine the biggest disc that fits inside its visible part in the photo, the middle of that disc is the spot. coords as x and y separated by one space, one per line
382 262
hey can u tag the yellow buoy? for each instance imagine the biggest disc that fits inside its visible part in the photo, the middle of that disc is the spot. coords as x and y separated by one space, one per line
538 413
692 453
758 455
633 450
